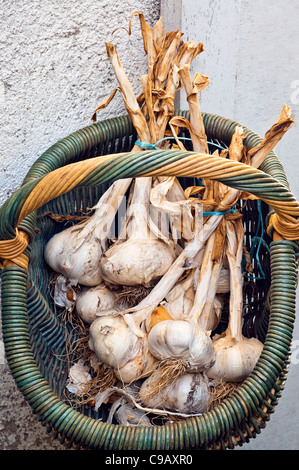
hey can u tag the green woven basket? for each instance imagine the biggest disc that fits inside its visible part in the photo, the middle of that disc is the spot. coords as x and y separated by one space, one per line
35 338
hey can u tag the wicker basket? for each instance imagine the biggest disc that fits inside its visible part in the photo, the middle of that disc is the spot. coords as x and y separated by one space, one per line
67 179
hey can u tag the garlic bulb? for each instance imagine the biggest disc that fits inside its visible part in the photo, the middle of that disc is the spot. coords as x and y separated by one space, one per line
184 341
236 355
117 346
76 251
190 394
94 301
142 257
235 359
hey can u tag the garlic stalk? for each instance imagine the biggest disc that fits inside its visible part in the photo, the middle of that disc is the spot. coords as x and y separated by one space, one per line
94 301
189 394
142 257
179 301
236 355
76 251
180 211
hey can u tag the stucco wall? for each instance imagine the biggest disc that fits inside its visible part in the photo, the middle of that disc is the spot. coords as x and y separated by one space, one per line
54 73
251 57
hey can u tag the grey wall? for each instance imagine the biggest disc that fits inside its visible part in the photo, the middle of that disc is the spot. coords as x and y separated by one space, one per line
251 57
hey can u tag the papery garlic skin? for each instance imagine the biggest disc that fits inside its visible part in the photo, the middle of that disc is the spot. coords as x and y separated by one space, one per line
224 281
64 293
127 415
190 393
94 301
78 378
176 339
235 360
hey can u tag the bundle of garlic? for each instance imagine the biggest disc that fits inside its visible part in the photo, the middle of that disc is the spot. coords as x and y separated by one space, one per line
76 251
180 249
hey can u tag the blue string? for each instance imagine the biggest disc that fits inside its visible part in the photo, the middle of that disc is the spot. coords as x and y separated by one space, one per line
230 211
148 146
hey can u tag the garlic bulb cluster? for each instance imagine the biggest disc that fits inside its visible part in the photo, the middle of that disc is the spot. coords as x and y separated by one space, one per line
186 265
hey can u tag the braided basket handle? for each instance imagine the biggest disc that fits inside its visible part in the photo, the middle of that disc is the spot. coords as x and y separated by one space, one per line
108 168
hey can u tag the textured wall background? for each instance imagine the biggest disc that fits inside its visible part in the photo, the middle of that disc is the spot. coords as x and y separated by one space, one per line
251 57
54 73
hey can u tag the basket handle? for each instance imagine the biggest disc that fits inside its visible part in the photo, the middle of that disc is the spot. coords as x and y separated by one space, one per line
108 168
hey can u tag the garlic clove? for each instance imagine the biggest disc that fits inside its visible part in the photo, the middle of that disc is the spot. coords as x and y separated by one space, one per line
140 366
113 341
64 293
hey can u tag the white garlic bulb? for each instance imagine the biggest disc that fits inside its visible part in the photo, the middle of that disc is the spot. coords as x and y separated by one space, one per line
76 251
94 301
142 256
184 341
189 394
235 359
116 345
